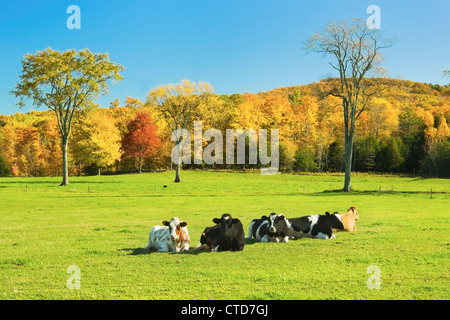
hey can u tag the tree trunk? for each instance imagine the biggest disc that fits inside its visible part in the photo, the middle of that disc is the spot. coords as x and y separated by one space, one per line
348 157
177 174
65 166
178 165
348 166
99 171
140 164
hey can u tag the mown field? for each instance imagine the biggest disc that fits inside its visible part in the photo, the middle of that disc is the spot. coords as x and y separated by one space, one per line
101 225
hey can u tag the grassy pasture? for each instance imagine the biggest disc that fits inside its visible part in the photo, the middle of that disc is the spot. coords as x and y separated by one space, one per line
101 224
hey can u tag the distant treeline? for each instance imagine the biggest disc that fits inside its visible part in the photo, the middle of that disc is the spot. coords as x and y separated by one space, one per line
403 129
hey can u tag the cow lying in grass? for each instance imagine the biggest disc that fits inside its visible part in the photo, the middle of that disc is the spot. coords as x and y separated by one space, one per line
172 237
272 228
349 219
226 235
317 226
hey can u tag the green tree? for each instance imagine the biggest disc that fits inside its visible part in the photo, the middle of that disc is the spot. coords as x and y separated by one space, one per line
305 161
365 153
336 157
412 132
443 159
65 82
4 168
395 154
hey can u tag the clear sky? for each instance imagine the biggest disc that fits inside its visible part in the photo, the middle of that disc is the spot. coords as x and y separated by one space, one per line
236 45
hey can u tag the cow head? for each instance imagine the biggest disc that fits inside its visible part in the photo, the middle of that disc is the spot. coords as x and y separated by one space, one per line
226 221
349 219
277 224
175 228
335 220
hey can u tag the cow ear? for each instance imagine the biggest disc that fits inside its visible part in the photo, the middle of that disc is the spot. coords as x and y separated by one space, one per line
281 217
216 220
327 213
183 224
166 223
265 217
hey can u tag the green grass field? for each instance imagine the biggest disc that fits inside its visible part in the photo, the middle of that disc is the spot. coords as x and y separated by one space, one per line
101 225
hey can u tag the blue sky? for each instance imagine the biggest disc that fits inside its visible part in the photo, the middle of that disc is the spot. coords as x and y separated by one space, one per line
236 45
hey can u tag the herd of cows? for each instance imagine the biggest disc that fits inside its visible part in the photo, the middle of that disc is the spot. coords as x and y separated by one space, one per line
228 233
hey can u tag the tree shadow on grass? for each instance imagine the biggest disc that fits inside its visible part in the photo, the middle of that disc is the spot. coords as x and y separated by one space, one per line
369 192
52 181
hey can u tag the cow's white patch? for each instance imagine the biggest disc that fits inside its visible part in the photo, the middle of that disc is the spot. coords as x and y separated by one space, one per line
313 220
250 229
258 234
174 222
321 235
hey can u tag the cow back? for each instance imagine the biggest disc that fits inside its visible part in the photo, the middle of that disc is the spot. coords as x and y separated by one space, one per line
302 224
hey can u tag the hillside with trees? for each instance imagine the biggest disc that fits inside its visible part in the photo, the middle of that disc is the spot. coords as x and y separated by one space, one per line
402 129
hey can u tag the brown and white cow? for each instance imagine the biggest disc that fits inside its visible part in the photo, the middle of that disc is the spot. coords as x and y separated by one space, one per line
349 219
172 237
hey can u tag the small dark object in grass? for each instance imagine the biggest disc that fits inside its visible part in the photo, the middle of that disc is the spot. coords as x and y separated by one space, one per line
165 186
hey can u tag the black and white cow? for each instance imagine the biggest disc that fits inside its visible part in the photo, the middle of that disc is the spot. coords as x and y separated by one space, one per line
317 226
226 235
173 236
274 228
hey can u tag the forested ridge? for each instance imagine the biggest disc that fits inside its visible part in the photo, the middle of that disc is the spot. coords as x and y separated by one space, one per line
403 129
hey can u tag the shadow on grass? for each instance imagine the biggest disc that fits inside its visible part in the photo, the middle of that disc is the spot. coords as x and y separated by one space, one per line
135 251
143 251
370 192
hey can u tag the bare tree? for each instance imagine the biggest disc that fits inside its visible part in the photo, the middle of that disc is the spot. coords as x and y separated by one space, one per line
357 54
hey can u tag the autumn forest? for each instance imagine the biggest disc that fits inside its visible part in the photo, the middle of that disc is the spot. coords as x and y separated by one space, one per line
403 129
